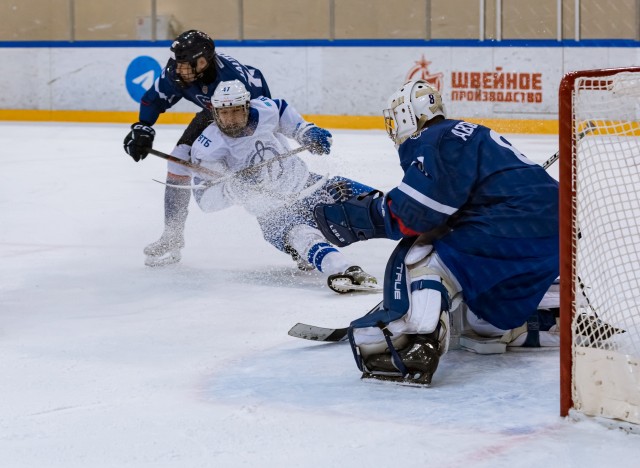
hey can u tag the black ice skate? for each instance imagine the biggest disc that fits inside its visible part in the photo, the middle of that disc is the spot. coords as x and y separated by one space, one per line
421 357
353 279
164 251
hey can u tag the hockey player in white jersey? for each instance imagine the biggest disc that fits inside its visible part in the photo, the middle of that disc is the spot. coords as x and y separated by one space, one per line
246 146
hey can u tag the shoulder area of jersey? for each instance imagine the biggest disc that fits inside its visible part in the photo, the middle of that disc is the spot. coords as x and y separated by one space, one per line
209 135
432 130
461 129
263 101
265 105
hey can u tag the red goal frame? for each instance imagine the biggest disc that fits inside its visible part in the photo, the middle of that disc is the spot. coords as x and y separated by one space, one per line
567 146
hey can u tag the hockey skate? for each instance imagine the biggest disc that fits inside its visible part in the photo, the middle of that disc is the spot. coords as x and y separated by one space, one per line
353 279
164 251
421 357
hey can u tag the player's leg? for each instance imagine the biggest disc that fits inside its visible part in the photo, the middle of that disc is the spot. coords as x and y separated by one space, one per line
166 250
343 276
292 230
409 348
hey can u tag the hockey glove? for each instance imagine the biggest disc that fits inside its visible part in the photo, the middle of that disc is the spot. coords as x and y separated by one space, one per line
340 190
354 220
316 139
139 141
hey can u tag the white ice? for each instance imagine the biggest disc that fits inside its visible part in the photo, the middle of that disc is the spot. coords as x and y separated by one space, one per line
107 363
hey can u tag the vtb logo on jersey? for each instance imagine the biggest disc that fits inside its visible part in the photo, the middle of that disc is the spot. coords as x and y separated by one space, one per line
421 70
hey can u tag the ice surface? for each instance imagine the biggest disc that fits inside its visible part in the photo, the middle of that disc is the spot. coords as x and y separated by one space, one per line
107 363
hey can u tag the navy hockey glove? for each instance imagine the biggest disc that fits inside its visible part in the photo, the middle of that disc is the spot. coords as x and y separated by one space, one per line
354 220
316 139
139 141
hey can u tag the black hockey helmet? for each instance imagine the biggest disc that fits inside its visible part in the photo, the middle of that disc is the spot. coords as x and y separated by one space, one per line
192 44
187 48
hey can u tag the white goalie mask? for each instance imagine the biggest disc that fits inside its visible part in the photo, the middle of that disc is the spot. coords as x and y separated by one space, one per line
231 102
410 108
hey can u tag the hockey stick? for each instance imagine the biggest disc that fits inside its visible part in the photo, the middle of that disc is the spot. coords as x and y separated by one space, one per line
286 198
195 167
589 127
326 335
220 177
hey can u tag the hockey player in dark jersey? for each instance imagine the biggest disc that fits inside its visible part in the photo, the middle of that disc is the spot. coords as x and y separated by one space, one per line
193 73
478 222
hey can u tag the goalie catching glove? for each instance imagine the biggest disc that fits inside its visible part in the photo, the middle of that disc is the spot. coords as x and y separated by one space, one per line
356 219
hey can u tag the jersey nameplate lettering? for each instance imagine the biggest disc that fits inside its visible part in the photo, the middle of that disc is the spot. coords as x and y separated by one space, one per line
463 130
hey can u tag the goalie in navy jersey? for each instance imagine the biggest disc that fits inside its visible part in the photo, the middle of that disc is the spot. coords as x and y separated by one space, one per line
246 146
478 222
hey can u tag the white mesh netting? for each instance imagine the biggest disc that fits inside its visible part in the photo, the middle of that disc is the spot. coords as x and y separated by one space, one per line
606 327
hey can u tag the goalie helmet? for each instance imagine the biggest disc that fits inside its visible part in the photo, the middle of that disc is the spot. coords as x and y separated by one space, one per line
410 108
186 49
231 102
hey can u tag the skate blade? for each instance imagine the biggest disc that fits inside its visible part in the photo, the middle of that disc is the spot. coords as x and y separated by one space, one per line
170 259
344 285
394 380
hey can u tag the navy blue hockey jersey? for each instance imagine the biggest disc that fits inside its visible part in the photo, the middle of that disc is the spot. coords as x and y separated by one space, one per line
501 208
166 92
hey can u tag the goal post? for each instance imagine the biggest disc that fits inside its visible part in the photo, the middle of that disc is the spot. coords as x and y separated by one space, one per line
599 132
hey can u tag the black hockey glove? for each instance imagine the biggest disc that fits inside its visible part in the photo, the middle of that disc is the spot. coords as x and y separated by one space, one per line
316 139
354 220
139 141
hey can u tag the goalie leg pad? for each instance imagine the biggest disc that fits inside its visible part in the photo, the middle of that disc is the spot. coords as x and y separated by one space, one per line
540 331
406 340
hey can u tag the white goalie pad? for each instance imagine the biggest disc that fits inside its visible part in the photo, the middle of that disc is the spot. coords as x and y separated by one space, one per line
425 307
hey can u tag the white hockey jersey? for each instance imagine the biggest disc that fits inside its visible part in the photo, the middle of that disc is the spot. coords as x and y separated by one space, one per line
268 187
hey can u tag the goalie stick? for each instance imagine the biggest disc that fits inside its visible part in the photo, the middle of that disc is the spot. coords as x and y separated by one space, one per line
326 335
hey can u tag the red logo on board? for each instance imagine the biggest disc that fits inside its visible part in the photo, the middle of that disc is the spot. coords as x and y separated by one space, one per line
421 70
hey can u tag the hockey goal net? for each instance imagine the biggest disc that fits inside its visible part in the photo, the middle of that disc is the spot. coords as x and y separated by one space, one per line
599 119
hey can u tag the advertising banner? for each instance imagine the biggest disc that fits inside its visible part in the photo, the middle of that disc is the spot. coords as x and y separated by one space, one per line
476 82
